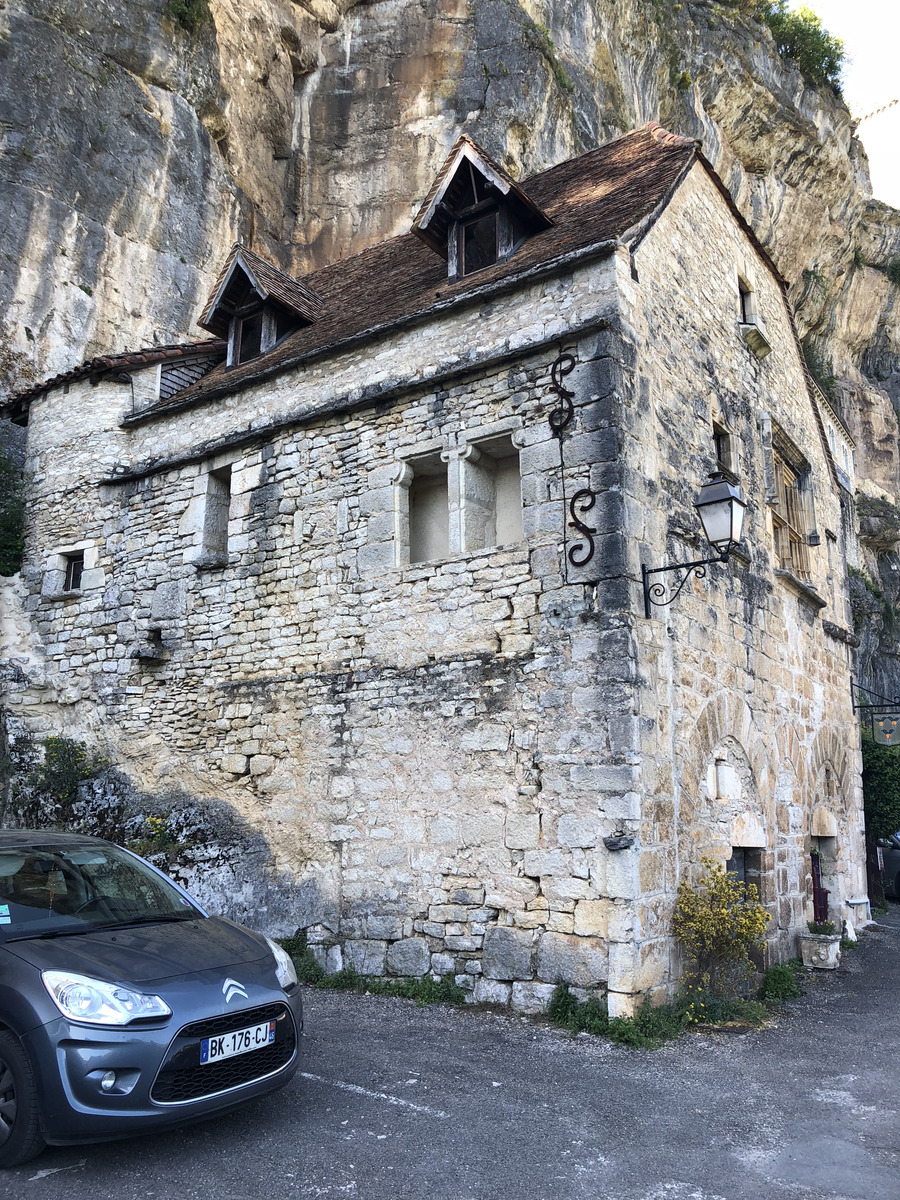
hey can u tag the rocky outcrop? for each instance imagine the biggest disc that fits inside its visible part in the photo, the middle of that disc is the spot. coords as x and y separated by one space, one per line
136 150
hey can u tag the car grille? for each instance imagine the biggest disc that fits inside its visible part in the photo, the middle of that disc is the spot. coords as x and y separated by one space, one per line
182 1077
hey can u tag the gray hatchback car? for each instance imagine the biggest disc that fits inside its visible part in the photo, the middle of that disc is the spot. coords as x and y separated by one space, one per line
124 1007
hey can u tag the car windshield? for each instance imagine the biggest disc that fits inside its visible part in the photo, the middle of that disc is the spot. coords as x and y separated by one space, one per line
47 890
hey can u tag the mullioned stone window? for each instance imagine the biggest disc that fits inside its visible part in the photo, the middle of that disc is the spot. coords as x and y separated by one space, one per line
459 500
791 503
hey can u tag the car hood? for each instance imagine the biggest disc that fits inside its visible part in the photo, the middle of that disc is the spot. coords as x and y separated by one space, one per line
146 953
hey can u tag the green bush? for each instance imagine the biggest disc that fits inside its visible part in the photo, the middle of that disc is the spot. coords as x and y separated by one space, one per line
307 968
191 15
67 763
799 35
892 270
580 1016
424 991
649 1029
12 517
780 983
719 922
881 788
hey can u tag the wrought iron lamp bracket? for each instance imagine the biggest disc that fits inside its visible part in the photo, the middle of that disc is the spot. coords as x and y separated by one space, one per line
575 508
657 593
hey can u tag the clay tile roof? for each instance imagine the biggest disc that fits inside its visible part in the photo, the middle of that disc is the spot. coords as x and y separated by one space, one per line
105 363
666 137
269 282
592 199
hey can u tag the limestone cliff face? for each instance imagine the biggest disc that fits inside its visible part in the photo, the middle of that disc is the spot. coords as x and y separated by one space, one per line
135 152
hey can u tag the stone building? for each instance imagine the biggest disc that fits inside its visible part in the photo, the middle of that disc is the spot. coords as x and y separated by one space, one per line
367 567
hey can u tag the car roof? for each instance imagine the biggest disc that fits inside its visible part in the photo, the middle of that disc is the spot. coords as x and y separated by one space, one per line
14 838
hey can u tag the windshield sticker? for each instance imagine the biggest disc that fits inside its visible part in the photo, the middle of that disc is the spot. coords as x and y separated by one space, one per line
4 910
5 920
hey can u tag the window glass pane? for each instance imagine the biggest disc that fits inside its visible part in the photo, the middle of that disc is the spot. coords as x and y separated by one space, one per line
74 569
79 887
251 337
479 243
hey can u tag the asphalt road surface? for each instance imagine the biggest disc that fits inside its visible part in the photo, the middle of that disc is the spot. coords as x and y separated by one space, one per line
401 1103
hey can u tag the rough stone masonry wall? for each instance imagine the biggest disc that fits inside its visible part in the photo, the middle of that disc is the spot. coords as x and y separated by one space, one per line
740 670
429 750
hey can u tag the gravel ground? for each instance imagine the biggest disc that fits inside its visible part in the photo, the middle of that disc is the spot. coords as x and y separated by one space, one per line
401 1103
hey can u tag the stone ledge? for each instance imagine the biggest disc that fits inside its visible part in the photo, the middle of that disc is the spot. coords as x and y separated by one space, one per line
806 592
840 635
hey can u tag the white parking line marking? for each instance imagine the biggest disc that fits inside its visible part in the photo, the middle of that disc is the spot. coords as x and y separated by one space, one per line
361 1091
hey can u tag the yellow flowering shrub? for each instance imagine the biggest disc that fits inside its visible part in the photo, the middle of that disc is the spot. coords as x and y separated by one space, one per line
719 922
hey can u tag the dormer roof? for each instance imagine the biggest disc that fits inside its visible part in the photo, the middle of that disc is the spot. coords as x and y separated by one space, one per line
243 268
433 218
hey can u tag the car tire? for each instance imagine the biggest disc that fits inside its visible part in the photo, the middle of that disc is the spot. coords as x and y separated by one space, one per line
20 1125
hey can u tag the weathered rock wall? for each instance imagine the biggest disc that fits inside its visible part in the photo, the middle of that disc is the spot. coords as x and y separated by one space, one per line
135 152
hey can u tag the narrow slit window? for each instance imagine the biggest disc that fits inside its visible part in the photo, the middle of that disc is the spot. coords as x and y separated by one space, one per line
723 443
215 520
74 571
747 303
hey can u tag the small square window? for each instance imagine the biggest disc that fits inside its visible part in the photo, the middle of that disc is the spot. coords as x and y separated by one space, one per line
215 518
74 571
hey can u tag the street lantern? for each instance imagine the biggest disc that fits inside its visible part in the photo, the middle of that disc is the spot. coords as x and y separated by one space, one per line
720 506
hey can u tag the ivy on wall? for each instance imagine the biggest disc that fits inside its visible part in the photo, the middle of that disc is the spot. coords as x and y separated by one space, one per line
881 788
12 516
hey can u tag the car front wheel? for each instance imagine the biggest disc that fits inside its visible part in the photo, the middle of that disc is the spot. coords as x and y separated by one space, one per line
20 1127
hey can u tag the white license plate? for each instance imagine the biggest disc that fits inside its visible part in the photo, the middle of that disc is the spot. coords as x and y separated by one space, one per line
241 1041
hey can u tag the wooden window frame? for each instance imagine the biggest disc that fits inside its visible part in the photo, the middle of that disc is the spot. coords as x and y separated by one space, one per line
726 459
74 572
789 519
268 334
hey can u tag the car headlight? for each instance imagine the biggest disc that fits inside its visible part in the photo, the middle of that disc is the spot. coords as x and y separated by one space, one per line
284 965
97 1003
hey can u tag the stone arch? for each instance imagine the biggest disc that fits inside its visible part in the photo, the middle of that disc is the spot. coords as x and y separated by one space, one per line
830 760
724 716
711 817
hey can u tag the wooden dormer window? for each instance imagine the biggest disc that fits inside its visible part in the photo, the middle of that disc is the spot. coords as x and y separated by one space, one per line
475 215
256 306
